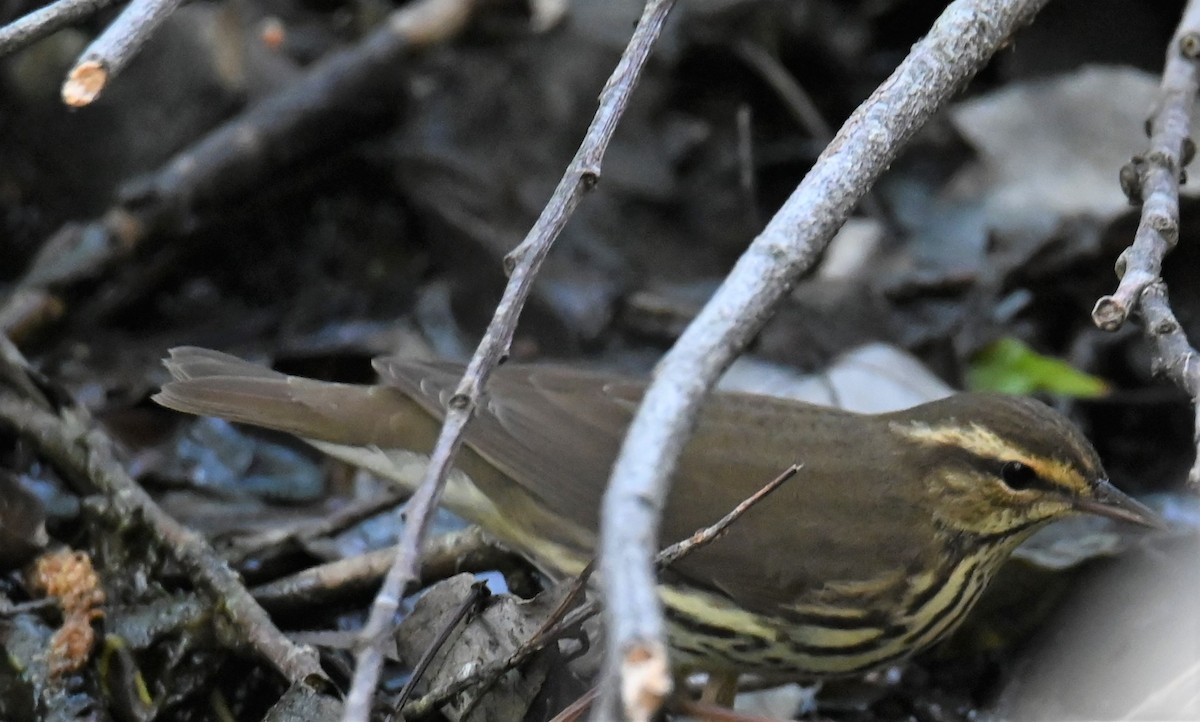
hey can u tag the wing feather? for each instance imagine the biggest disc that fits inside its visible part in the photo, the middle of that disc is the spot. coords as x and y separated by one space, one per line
556 431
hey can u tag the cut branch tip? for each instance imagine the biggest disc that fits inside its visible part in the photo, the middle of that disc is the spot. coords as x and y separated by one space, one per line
1109 313
645 680
84 83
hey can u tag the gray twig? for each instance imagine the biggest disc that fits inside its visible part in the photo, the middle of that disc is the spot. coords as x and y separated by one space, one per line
967 34
1154 181
44 21
113 49
562 620
522 265
805 112
85 455
478 590
467 550
340 98
309 529
1174 356
709 534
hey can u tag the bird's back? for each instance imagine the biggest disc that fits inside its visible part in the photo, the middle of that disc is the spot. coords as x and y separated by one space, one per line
556 432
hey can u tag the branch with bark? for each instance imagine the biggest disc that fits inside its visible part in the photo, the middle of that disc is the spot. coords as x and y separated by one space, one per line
522 265
30 28
84 454
960 42
1153 180
346 94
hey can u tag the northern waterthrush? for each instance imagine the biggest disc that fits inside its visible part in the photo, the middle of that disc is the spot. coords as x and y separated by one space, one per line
876 549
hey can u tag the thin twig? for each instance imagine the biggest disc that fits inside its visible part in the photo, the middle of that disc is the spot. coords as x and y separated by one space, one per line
468 550
344 96
489 672
795 99
478 589
708 535
1154 180
44 21
1174 356
315 528
551 629
560 621
745 155
805 112
85 455
522 264
962 40
573 595
113 49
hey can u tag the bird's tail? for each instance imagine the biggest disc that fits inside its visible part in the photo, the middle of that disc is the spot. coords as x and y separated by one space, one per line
211 383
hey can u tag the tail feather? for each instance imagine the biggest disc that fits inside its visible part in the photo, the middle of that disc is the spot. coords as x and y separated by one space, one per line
379 428
210 383
189 362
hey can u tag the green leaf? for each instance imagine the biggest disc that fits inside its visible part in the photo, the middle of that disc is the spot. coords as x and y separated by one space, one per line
1009 366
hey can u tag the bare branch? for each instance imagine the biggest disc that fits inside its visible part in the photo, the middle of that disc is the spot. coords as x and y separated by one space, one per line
708 535
805 112
1155 178
344 95
467 550
44 21
967 34
85 454
1174 356
561 620
113 49
522 264
478 590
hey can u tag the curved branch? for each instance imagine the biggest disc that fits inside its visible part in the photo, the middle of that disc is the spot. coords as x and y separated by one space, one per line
962 40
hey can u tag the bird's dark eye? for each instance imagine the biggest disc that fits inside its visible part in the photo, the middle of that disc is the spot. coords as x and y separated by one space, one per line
1018 476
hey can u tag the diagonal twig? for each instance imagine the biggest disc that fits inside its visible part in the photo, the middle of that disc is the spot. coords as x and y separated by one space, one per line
563 619
38 24
710 534
1153 180
113 49
522 265
85 455
345 95
805 112
960 42
478 590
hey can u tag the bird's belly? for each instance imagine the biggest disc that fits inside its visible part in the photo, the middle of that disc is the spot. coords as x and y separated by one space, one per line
708 633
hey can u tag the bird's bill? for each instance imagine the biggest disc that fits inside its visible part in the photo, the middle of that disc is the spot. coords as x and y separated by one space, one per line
1107 500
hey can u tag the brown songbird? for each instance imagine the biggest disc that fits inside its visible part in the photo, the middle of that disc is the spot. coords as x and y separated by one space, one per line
875 550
